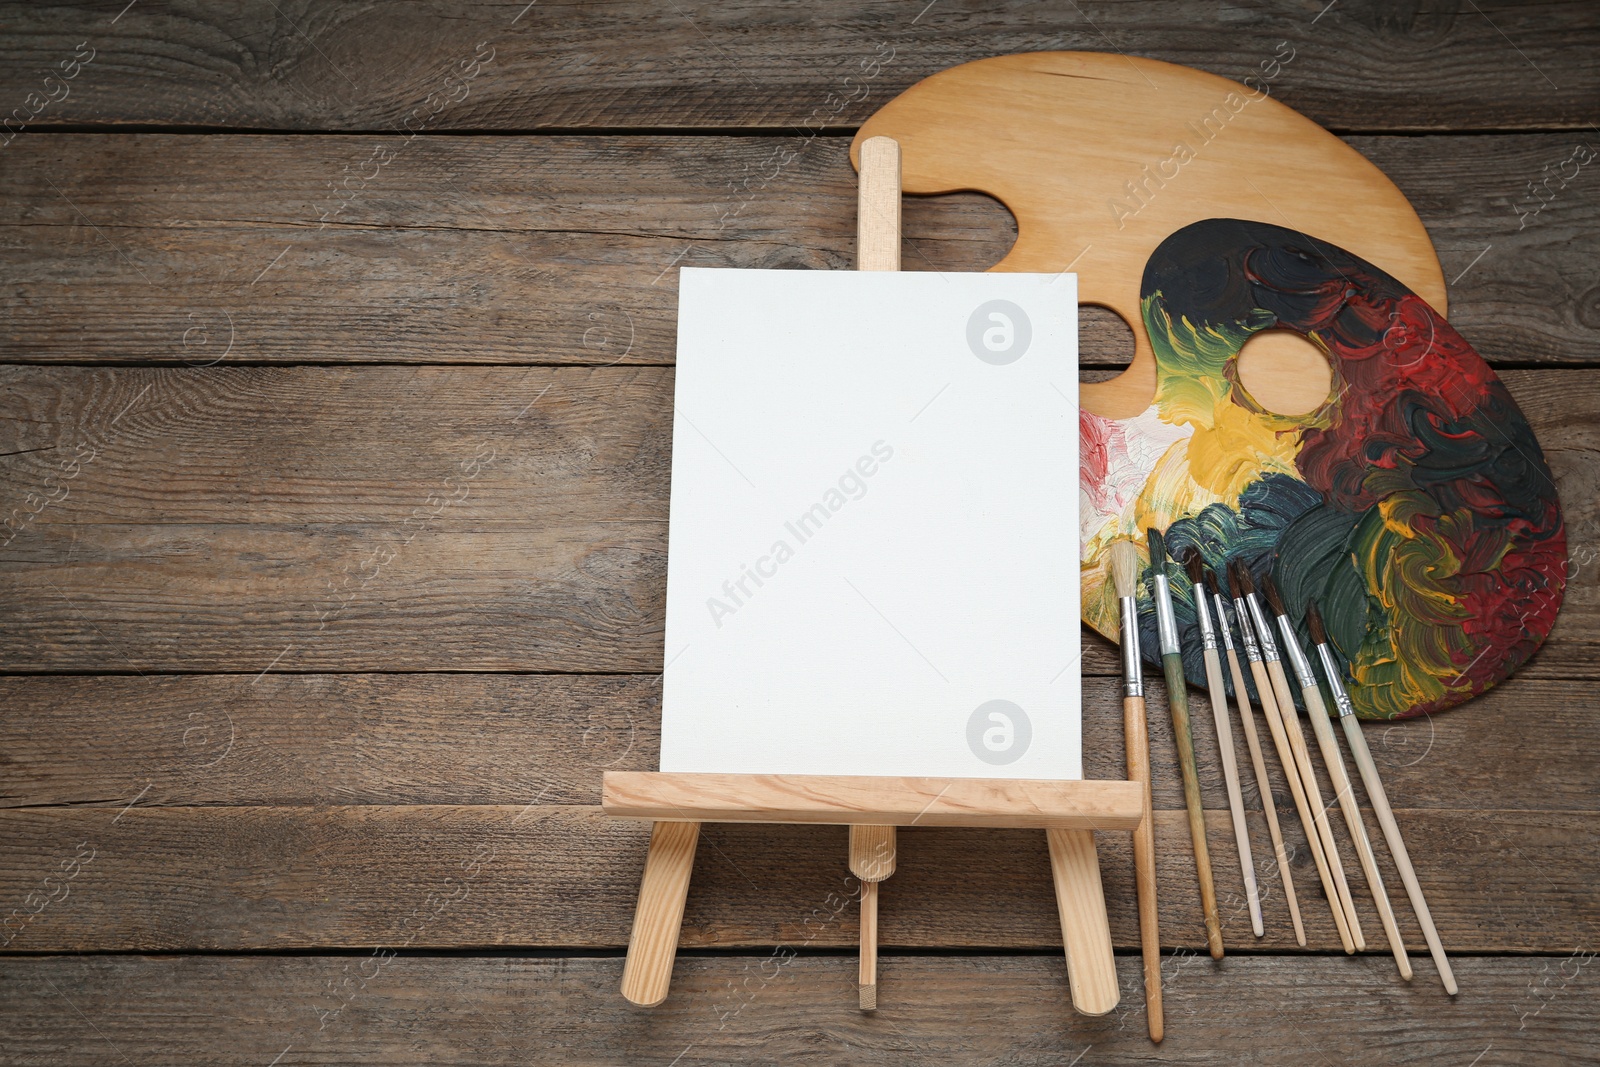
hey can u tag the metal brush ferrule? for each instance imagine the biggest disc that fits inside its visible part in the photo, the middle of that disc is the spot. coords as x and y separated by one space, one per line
1341 699
1269 648
1252 651
1132 664
1166 624
1297 655
1202 614
1222 623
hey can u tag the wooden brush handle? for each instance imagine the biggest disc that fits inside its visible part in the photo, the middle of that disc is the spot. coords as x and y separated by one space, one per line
1178 703
1317 712
1230 777
1264 785
1302 803
1137 742
1319 811
1397 846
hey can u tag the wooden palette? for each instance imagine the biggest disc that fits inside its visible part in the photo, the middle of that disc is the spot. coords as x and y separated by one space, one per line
1064 138
1103 158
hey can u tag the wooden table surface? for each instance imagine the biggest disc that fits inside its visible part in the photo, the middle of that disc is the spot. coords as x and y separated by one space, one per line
335 410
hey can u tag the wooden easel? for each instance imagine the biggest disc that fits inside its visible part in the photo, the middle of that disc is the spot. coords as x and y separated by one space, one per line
873 807
1069 812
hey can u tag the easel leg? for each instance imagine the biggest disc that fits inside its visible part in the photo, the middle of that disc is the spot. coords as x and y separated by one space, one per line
658 915
1085 930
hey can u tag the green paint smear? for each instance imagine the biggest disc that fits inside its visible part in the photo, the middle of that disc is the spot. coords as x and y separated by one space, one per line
1194 364
1417 641
1315 562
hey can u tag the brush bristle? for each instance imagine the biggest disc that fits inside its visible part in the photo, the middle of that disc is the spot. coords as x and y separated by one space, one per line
1125 567
1314 622
1246 583
1195 566
1272 596
1158 547
1233 580
1211 583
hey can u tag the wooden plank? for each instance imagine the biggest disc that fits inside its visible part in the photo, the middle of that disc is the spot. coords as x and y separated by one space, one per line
836 799
441 739
533 454
562 249
1511 312
443 250
365 65
269 878
772 1009
406 518
326 739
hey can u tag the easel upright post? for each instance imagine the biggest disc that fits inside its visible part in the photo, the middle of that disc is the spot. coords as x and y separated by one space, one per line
872 848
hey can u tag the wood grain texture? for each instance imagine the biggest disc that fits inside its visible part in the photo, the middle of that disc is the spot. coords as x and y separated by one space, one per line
509 876
468 519
1085 934
867 967
1355 825
563 249
1183 738
259 520
878 202
497 467
1263 778
1294 777
365 65
1379 799
834 799
878 242
1319 809
767 1009
1081 148
442 739
1228 758
658 914
1136 754
872 850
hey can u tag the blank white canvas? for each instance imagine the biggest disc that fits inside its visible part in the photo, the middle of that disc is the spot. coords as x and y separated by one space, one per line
873 547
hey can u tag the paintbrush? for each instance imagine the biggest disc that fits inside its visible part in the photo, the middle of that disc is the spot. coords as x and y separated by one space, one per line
1178 704
1333 758
1251 622
1125 577
1376 793
1302 755
1219 711
1257 762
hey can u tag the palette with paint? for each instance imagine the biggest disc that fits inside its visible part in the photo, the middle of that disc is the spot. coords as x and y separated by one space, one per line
1296 399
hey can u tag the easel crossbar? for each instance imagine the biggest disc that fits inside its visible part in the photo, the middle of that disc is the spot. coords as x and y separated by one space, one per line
871 800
